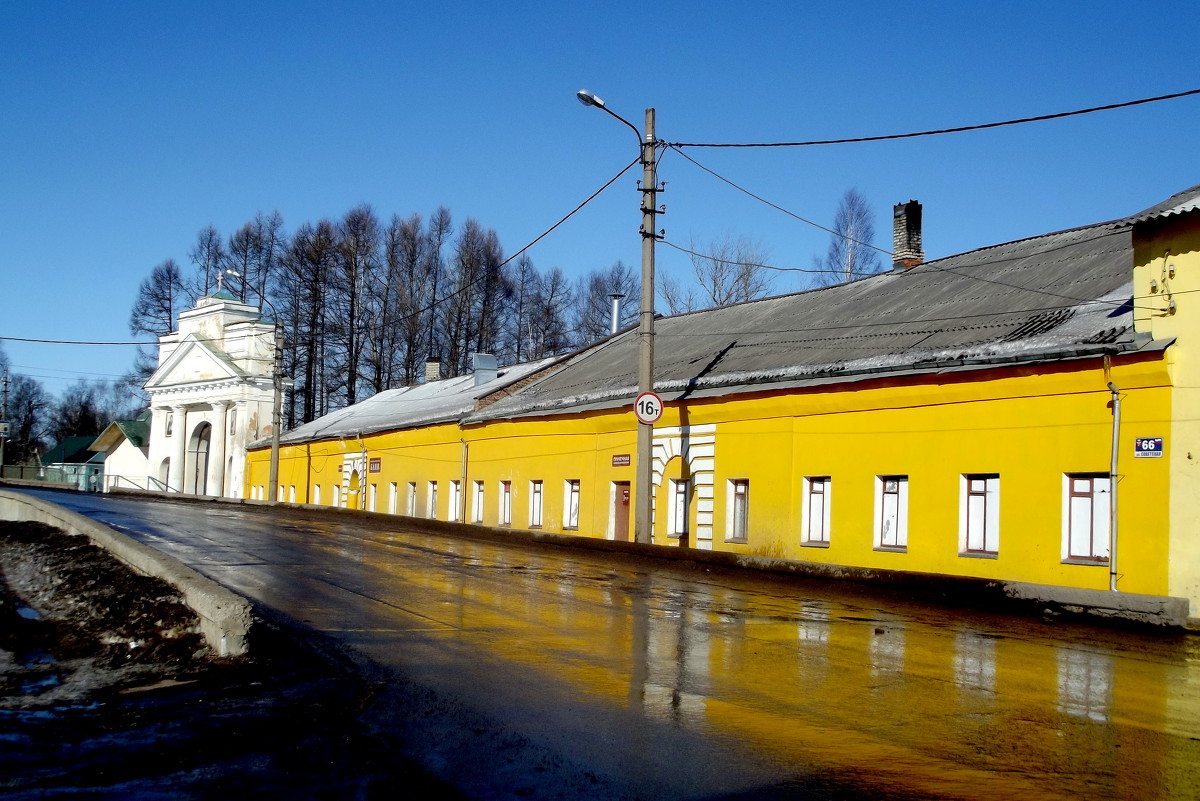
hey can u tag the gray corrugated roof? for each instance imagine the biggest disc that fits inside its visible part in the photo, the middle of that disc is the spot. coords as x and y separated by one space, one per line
1187 200
408 407
1060 295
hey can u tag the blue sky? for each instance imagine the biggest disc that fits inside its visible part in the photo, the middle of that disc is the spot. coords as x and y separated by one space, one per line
126 127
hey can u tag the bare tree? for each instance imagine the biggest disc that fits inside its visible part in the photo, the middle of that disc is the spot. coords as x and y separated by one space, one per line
593 302
28 405
208 256
302 289
726 271
850 255
157 303
154 313
357 266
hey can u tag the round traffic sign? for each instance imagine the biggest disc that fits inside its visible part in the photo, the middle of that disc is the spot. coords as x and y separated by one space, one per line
648 407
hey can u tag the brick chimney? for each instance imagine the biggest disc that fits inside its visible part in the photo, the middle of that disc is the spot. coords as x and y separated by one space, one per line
907 251
433 369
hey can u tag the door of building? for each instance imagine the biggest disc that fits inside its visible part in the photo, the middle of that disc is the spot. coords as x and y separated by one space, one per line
620 511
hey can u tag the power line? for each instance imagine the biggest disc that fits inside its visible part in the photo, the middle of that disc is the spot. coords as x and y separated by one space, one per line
776 206
958 129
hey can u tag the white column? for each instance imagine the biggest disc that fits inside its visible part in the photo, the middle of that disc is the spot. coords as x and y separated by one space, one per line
178 448
216 450
237 448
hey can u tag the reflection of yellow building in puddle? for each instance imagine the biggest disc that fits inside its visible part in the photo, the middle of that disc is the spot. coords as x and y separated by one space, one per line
960 418
924 703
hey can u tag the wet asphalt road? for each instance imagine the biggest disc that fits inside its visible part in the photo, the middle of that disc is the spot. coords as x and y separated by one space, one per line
520 672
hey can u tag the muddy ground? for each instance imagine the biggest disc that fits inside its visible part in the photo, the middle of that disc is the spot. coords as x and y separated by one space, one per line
108 691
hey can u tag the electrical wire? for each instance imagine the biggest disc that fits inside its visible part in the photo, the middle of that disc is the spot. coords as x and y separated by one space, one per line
776 206
430 307
935 132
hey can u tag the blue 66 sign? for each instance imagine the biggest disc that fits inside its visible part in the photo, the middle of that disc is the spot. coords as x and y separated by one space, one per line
648 407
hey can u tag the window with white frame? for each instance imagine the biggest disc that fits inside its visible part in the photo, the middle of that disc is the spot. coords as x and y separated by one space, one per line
337 494
571 503
410 502
535 504
372 492
891 512
1086 517
816 495
505 503
979 514
431 501
477 503
393 497
677 514
292 493
452 511
737 510
316 496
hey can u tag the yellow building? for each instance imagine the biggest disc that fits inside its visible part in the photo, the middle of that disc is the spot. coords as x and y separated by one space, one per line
959 417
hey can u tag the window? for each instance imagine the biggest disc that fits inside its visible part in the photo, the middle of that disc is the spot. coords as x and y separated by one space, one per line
506 503
372 491
393 498
431 501
571 503
678 513
891 512
737 516
410 502
477 503
170 424
454 510
337 495
1086 517
316 497
535 504
279 493
232 422
292 494
816 496
979 515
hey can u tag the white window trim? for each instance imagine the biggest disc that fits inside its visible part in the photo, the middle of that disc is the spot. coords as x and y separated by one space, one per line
410 503
731 522
393 497
453 510
431 500
1100 515
989 547
537 503
901 535
477 502
677 518
816 527
316 495
571 492
505 503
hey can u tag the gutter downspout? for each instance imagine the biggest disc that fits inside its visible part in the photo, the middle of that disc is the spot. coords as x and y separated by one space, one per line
1112 488
462 487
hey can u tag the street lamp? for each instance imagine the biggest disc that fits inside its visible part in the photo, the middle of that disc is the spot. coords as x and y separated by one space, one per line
643 528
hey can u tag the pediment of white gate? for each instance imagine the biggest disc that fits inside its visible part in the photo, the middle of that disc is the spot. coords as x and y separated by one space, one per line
193 361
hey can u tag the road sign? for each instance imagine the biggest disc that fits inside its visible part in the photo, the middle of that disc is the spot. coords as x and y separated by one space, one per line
1148 448
648 407
3 429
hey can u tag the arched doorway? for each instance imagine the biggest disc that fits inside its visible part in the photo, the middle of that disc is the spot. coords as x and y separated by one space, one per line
354 499
198 458
164 470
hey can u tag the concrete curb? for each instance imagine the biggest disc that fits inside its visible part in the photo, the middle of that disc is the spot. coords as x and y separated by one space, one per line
1011 597
225 617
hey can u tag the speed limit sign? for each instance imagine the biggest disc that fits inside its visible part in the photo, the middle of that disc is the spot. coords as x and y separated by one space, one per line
648 407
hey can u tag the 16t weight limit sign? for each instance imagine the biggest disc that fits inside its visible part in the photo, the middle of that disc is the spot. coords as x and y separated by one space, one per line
648 407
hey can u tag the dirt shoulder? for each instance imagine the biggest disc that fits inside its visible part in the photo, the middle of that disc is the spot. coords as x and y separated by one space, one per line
107 688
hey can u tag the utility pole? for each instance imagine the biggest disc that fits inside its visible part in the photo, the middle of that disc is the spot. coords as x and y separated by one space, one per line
643 491
4 424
